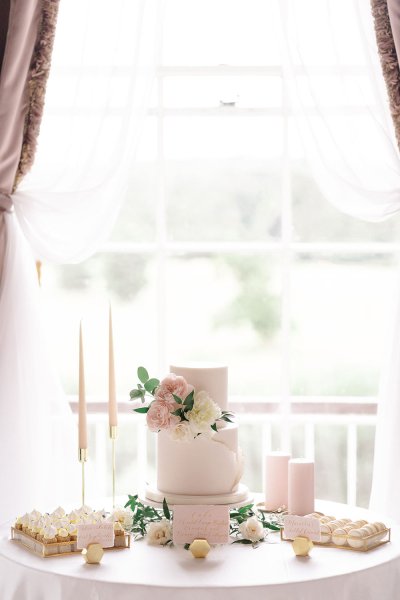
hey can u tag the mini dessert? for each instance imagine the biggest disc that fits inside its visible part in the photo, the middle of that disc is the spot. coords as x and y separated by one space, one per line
25 522
326 533
58 513
50 535
119 539
325 520
361 522
63 536
73 532
355 538
339 537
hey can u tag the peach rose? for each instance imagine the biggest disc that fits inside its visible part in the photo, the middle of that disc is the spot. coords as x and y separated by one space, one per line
172 384
159 416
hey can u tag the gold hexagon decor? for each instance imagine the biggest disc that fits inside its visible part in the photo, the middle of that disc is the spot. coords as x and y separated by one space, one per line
302 546
199 548
93 554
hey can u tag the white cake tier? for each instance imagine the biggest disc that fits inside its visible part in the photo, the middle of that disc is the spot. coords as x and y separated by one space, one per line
238 498
211 378
202 467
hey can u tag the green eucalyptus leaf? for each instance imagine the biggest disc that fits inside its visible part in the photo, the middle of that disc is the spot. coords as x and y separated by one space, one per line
271 526
166 510
177 412
177 399
189 401
246 508
142 374
151 385
225 418
214 427
142 409
242 542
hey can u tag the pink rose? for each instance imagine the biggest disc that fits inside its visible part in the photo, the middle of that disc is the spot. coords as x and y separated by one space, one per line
159 416
172 384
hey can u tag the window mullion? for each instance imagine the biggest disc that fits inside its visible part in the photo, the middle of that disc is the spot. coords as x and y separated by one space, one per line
286 238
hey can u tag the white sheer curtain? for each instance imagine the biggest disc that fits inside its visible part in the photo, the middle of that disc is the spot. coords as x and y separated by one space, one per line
103 67
338 95
337 92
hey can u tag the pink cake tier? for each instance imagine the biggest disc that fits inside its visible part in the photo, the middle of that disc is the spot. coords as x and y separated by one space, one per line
206 470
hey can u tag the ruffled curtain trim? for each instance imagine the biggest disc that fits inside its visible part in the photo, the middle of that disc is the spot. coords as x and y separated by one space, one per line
388 58
37 79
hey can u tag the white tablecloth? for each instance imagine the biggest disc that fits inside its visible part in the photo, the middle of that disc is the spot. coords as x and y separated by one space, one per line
269 572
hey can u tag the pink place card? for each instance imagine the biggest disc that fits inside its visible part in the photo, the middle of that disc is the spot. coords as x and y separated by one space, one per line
294 526
201 522
91 533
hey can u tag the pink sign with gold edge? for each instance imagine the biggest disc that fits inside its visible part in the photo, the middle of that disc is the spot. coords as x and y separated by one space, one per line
294 526
95 533
200 522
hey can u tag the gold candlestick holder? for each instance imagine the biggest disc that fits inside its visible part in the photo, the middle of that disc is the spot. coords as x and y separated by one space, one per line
82 456
113 437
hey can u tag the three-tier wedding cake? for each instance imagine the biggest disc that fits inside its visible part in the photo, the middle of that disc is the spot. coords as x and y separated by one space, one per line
205 469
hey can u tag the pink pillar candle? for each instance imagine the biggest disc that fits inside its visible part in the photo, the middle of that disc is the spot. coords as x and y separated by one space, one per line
301 487
276 480
112 397
82 425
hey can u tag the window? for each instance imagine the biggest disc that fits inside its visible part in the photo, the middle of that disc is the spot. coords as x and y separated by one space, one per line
227 250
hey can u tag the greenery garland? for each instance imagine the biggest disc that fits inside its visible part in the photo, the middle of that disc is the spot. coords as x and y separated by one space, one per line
143 515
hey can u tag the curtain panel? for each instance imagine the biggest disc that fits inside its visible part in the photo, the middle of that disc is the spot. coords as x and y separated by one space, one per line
26 39
63 210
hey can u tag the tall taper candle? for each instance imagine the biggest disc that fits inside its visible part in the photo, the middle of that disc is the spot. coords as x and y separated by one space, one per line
301 487
112 398
82 397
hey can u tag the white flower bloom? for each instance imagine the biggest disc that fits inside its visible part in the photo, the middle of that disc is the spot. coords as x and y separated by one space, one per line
118 514
252 529
203 414
159 532
181 432
128 520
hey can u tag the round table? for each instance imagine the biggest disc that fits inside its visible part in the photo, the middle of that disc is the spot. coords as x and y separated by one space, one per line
230 572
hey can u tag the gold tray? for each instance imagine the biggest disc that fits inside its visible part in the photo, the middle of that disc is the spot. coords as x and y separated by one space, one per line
368 543
60 548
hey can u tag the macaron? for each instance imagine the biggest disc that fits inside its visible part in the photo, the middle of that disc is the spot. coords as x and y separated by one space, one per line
326 533
339 537
355 538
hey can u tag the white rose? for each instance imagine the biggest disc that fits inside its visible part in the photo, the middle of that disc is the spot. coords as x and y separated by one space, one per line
118 514
203 414
128 520
159 532
252 529
181 432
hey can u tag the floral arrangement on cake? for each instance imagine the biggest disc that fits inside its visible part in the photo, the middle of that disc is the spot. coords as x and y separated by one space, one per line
247 524
177 407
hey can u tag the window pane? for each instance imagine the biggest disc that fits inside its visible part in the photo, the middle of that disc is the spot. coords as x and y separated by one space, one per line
75 292
365 461
222 200
341 309
330 462
137 219
209 92
223 137
212 32
227 309
237 197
